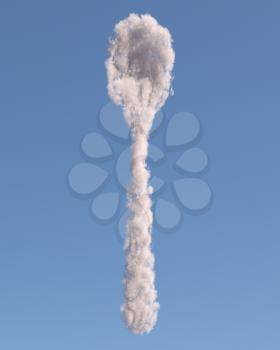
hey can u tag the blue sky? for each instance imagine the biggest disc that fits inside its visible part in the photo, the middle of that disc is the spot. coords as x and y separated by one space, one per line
60 271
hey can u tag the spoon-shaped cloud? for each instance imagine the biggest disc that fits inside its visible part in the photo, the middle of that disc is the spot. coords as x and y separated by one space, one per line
139 70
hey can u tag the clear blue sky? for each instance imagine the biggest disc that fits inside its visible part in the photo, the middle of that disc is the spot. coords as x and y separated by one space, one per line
60 272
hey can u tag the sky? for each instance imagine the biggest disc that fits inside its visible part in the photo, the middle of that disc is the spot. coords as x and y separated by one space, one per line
60 270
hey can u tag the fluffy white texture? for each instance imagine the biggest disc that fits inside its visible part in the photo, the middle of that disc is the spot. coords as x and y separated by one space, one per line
139 70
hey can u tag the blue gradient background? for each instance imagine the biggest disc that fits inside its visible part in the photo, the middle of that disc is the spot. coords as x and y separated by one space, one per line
60 273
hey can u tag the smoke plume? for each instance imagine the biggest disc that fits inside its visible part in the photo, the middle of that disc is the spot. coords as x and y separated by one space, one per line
139 70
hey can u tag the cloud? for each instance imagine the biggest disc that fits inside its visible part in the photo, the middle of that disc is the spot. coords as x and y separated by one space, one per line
139 70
